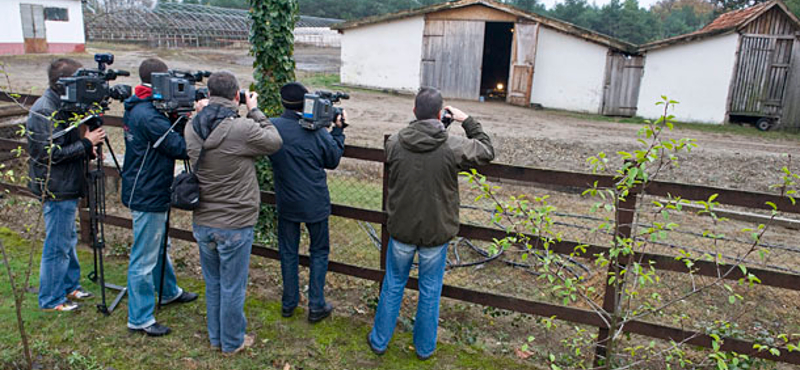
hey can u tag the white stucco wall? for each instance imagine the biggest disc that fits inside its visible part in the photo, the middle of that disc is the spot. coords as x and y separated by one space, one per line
569 72
57 32
384 55
696 74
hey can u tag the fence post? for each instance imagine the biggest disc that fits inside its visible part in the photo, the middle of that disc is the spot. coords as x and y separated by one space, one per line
384 231
626 212
83 221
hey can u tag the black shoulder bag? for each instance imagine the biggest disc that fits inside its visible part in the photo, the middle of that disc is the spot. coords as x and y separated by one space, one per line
186 188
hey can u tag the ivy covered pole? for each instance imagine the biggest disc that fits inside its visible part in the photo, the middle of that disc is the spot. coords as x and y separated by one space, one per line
272 45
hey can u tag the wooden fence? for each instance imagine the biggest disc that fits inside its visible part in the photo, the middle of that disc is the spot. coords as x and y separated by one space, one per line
532 176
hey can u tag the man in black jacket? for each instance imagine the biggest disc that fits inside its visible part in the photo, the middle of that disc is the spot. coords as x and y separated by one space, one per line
57 164
146 180
301 190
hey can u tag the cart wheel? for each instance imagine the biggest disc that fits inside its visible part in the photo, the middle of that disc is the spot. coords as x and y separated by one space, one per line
764 124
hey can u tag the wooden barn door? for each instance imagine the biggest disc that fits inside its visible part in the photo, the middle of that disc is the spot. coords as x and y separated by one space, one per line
621 88
33 28
523 60
761 75
452 57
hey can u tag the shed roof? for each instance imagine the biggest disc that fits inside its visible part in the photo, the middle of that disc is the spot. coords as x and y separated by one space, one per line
556 24
724 24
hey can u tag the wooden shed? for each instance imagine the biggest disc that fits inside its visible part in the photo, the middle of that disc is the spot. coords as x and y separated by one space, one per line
742 67
41 26
472 49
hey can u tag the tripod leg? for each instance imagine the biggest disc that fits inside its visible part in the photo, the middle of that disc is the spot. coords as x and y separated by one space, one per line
113 156
164 245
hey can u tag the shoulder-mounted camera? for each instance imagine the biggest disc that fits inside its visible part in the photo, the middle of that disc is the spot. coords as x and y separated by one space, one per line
88 89
319 110
174 92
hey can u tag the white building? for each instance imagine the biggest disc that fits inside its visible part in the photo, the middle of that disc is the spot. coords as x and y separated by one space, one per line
41 26
472 48
744 66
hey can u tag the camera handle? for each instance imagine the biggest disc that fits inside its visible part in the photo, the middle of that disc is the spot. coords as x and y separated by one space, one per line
164 137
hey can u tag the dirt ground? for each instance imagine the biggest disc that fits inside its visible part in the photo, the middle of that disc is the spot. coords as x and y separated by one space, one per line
525 137
538 138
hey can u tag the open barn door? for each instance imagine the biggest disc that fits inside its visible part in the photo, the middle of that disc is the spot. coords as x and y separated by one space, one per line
452 56
621 88
523 59
33 28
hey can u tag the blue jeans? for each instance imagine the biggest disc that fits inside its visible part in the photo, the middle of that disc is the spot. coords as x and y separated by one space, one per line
399 258
144 269
320 247
60 272
225 258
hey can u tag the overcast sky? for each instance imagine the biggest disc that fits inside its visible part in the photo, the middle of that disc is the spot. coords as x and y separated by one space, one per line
643 3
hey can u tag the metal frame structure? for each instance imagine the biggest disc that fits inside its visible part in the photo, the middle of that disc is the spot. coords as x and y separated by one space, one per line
180 25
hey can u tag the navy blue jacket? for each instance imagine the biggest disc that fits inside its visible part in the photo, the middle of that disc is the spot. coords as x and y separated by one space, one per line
301 186
147 173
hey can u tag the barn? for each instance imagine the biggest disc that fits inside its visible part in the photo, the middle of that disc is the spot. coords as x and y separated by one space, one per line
473 49
742 67
41 26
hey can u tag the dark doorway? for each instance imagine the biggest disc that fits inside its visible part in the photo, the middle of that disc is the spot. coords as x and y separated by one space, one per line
496 59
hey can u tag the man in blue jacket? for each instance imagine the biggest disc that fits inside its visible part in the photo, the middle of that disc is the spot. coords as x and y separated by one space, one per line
301 190
146 179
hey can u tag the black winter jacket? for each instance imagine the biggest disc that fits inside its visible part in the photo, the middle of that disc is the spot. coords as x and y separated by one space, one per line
68 154
301 186
148 172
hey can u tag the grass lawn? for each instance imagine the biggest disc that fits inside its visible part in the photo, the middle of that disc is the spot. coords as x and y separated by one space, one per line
89 340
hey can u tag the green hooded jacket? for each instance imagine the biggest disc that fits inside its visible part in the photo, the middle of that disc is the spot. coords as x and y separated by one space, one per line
424 162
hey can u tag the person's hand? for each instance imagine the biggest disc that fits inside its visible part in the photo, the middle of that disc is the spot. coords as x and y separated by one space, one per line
96 136
458 114
94 152
341 119
199 105
252 100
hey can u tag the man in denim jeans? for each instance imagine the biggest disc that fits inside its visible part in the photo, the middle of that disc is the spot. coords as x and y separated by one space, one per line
224 148
146 178
57 165
422 204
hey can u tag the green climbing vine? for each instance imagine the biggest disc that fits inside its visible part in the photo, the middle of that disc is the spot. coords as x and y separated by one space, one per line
272 45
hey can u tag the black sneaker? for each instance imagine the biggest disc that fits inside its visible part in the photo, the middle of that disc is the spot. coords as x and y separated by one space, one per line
185 297
374 350
424 358
317 316
287 312
155 330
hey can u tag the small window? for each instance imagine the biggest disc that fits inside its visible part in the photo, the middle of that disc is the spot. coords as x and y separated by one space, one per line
56 14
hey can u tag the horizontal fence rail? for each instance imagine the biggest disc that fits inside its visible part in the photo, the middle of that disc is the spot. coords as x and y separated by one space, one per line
563 179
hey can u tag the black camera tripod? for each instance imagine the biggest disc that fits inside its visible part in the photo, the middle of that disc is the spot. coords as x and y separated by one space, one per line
96 200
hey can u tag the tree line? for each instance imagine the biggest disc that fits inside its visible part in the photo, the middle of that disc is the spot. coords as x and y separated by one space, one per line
623 19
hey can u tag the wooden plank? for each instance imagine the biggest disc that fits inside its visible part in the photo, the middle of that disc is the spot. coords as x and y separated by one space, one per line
473 13
791 109
623 80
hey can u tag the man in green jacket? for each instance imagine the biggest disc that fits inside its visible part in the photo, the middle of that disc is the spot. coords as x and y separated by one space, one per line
423 203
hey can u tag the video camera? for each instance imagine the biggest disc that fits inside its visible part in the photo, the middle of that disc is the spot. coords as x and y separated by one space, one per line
88 89
174 91
318 109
